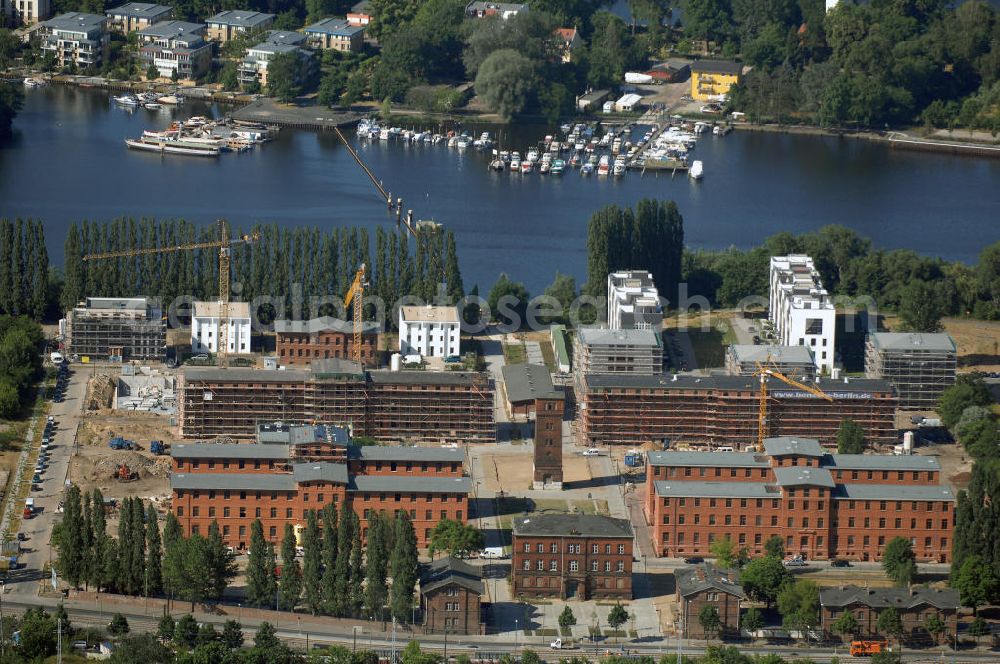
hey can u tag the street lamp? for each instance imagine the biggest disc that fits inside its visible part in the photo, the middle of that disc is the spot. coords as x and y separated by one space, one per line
354 631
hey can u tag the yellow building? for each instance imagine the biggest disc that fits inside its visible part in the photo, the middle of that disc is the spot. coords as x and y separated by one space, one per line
712 78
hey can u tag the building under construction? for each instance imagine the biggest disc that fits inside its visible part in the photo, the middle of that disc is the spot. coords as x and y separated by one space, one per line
117 329
920 366
723 410
387 405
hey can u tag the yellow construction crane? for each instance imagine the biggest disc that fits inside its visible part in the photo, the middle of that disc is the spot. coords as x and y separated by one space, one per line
355 295
762 373
224 245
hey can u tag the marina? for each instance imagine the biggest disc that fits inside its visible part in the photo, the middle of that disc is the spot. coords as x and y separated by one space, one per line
529 226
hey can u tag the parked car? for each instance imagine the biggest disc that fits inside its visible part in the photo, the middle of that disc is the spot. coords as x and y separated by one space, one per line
493 553
694 560
556 645
200 357
795 562
593 451
840 562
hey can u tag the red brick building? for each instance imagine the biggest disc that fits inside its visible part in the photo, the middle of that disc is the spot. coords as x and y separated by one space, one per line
722 410
822 505
300 342
572 556
235 484
450 597
915 605
704 585
529 392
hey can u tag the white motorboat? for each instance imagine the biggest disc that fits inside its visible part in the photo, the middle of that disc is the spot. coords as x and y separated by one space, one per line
697 170
126 100
604 165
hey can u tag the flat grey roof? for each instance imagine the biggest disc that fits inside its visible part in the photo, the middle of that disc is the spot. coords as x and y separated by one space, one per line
893 492
855 388
400 453
423 377
772 353
139 10
410 484
173 29
320 472
322 324
334 366
286 37
803 476
708 459
572 525
910 341
716 66
791 446
693 580
301 434
335 26
883 598
527 382
880 462
244 375
228 451
241 19
274 47
233 481
684 489
595 336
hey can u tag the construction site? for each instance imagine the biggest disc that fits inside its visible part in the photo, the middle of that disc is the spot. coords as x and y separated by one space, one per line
408 406
920 366
725 411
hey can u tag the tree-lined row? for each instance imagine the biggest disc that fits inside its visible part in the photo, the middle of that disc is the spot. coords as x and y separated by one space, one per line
285 262
20 363
338 576
24 268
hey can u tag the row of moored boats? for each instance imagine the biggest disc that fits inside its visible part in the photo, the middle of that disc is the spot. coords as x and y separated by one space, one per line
149 100
201 137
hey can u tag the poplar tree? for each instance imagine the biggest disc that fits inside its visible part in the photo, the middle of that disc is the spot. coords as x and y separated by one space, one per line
138 555
154 552
312 562
16 284
70 538
6 266
356 598
404 568
452 273
40 278
330 551
260 570
342 576
221 562
377 564
88 564
291 573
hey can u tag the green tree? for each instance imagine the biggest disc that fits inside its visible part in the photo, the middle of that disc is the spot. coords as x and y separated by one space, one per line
921 307
763 578
455 538
154 553
850 437
232 635
140 648
934 626
228 77
899 561
403 564
291 573
186 631
69 538
890 623
266 636
377 564
342 583
566 618
261 582
312 563
618 616
165 627
798 604
506 81
118 625
330 557
152 73
846 625
978 628
207 634
727 554
774 547
753 620
709 620
290 74
220 560
975 582
508 302
968 390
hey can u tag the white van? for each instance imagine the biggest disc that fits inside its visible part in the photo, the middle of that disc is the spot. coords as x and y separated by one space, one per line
493 553
593 451
724 448
56 358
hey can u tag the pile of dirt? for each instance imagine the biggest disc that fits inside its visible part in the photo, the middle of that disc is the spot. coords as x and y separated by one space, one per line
145 466
100 392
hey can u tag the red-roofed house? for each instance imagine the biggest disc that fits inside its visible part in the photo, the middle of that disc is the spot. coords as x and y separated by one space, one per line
567 39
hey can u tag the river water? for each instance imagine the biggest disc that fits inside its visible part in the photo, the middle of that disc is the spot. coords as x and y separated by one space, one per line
68 162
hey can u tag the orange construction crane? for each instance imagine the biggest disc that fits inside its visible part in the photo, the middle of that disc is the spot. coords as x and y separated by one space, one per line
355 295
224 245
763 372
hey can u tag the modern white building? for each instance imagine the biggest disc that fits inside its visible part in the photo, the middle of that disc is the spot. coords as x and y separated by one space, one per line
429 331
633 301
254 66
25 12
800 308
205 327
76 38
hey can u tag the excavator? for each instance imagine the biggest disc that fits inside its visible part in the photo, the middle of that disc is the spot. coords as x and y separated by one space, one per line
126 474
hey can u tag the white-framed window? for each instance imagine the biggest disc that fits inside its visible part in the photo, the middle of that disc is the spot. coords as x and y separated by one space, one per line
621 565
607 565
541 548
594 549
527 564
527 548
554 566
554 548
541 566
621 548
574 566
593 565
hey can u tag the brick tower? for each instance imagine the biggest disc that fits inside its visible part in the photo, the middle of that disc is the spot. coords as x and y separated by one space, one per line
548 441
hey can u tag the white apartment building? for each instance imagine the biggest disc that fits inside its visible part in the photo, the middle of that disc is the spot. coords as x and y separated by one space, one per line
633 301
76 38
205 327
25 12
800 308
429 331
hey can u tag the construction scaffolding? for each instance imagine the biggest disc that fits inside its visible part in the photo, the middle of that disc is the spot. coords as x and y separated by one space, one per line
919 366
715 411
397 406
118 329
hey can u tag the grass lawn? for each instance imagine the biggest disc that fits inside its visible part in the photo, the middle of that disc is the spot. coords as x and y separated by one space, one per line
515 353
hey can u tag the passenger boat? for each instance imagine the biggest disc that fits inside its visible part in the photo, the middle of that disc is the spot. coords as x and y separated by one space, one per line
697 170
532 155
558 166
126 100
604 166
35 82
170 147
587 169
619 168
